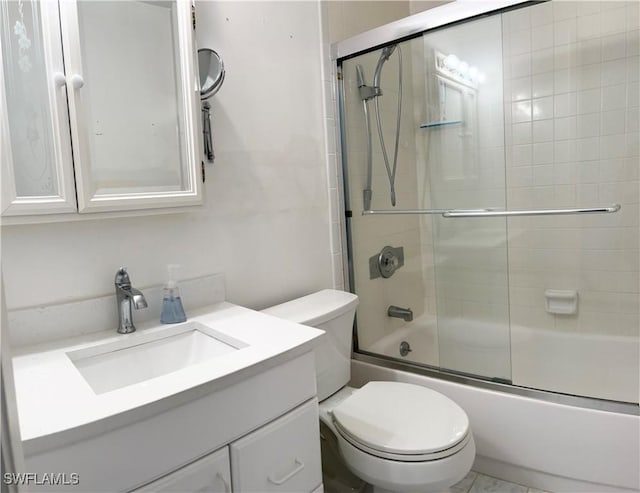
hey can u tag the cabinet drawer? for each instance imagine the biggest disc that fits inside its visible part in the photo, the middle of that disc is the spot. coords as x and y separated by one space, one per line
211 474
283 456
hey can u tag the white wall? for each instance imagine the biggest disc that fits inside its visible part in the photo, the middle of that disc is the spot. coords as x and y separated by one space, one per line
265 222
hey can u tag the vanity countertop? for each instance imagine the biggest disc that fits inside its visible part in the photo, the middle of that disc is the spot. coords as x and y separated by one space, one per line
54 399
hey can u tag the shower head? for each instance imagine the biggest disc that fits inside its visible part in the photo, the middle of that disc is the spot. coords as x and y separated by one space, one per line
360 76
387 51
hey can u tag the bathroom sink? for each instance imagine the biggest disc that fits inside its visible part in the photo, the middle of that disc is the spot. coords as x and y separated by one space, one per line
143 356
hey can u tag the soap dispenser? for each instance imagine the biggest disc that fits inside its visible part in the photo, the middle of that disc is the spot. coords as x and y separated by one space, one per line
172 309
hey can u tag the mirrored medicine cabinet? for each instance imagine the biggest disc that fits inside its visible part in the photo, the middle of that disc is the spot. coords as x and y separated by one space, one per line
100 107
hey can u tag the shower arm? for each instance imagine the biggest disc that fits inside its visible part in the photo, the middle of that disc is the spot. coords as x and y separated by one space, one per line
454 213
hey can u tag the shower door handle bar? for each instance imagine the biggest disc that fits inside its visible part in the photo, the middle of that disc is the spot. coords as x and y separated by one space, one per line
397 212
540 212
453 213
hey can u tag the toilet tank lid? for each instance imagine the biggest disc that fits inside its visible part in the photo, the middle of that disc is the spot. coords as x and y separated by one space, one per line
316 308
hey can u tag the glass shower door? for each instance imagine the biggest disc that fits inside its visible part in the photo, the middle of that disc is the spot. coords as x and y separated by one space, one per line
463 136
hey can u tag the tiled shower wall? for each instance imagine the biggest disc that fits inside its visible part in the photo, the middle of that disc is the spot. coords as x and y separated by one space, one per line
571 106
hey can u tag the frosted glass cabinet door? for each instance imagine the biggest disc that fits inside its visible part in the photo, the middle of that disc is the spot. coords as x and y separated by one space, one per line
37 170
133 103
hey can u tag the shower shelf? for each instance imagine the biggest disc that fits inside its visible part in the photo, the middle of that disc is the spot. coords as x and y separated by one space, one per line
440 124
453 213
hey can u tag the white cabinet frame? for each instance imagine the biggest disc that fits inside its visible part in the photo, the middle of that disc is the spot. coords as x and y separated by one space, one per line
88 201
65 200
64 68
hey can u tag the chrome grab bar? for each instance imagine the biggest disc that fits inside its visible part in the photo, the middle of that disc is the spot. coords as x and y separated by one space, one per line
540 212
390 212
452 213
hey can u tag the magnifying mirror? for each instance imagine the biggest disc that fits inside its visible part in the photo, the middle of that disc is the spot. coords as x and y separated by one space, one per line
211 72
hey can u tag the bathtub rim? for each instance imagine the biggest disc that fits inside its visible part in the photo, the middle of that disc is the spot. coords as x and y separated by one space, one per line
544 395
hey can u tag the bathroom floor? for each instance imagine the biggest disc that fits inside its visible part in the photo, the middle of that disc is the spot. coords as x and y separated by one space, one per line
475 482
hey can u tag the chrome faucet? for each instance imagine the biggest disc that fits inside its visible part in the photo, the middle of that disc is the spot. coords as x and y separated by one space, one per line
127 297
405 314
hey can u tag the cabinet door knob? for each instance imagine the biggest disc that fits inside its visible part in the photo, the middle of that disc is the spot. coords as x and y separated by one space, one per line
77 81
59 79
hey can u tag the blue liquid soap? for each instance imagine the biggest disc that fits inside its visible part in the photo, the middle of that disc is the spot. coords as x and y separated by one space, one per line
172 310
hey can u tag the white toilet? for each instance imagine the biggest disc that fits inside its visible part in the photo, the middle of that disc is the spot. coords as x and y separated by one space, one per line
398 437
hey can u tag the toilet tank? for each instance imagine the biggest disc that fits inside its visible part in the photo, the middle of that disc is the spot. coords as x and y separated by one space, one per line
332 311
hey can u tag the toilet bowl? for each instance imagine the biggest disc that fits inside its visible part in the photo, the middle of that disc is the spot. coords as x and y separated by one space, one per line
398 437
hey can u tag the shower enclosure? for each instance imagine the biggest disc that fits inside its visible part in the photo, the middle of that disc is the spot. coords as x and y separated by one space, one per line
491 173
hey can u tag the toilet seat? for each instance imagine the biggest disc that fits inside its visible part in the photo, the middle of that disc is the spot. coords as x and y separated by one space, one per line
402 422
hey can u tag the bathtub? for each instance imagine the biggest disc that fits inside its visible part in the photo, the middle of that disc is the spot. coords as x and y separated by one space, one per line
593 365
548 445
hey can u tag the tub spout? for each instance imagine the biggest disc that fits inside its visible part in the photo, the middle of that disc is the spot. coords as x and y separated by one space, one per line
405 314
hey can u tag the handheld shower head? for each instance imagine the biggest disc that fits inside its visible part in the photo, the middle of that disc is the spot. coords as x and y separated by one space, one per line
360 76
387 51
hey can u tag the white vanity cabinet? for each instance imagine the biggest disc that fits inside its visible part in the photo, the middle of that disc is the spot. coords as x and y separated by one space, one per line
211 474
258 433
99 106
282 456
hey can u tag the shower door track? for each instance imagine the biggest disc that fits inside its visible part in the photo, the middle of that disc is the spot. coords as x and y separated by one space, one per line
543 395
452 213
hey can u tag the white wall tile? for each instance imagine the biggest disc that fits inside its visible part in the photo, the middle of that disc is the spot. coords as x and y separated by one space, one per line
613 21
613 72
521 111
614 97
588 76
588 26
614 46
543 131
521 88
633 69
542 61
564 128
520 65
541 14
588 149
542 108
520 42
588 125
589 51
542 37
613 122
589 101
542 85
565 80
522 133
613 146
565 104
542 153
564 32
633 43
564 56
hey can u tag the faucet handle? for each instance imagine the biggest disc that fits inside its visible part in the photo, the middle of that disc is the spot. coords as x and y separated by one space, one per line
122 278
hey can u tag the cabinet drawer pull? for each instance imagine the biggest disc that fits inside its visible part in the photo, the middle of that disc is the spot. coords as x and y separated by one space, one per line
299 467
